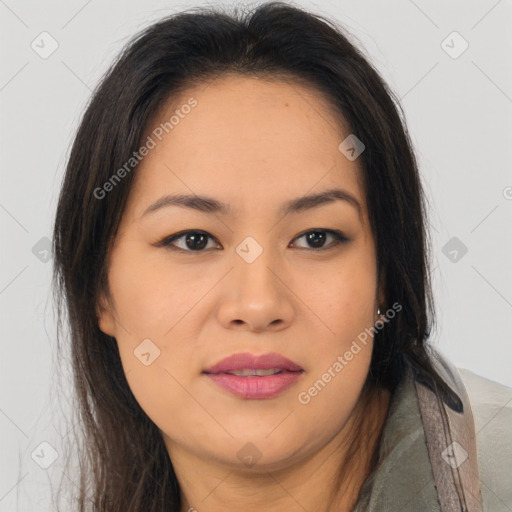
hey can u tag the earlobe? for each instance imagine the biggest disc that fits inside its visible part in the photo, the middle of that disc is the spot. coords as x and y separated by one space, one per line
105 318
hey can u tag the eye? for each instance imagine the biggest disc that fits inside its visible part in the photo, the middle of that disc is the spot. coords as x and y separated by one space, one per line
317 237
191 241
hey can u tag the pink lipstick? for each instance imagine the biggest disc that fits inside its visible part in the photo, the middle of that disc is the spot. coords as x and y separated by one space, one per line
255 377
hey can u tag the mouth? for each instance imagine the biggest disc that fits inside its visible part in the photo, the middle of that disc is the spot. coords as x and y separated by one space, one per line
255 377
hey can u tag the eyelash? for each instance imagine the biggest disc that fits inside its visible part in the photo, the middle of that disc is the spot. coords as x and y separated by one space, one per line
339 238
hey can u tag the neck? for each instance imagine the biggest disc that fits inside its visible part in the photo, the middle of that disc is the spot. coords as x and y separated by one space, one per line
329 480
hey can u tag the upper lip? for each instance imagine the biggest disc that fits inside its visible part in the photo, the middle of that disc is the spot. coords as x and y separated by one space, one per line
249 361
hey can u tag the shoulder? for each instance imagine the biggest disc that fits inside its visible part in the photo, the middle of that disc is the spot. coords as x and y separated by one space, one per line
491 404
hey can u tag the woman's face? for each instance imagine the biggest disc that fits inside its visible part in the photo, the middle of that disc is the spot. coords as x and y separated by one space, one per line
258 278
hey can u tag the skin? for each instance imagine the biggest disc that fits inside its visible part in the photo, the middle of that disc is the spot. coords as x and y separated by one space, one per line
253 144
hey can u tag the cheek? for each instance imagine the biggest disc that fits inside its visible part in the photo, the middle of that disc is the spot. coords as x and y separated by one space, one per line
343 303
343 347
152 299
343 300
150 294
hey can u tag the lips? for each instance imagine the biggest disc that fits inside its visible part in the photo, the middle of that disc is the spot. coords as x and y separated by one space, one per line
246 365
255 377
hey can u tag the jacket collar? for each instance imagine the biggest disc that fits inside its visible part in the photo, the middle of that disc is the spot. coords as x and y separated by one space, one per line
428 456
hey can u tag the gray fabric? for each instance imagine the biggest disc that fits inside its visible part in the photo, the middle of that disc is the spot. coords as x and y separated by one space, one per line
434 445
451 442
404 479
492 411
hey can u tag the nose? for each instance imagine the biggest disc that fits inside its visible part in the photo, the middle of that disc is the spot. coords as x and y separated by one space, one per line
255 295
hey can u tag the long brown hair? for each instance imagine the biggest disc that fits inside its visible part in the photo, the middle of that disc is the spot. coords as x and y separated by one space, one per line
123 463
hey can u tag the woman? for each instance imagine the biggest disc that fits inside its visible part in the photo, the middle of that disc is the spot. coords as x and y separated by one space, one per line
240 243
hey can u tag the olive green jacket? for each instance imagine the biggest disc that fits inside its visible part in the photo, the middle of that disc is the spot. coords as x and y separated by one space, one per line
444 453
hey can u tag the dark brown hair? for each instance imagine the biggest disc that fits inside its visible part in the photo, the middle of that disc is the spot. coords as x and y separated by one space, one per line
124 465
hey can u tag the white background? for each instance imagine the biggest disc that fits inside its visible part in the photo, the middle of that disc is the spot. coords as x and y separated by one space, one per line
459 113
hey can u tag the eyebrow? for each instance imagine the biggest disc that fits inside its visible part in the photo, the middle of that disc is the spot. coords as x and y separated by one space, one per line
207 204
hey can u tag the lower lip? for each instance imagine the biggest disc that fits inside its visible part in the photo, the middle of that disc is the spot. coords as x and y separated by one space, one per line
255 388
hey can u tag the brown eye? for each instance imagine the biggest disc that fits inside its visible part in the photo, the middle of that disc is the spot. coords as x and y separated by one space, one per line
316 238
190 241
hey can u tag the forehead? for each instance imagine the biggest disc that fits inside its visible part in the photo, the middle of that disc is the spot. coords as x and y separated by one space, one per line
246 139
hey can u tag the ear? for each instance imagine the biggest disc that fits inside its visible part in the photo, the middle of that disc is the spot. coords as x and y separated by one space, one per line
105 317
